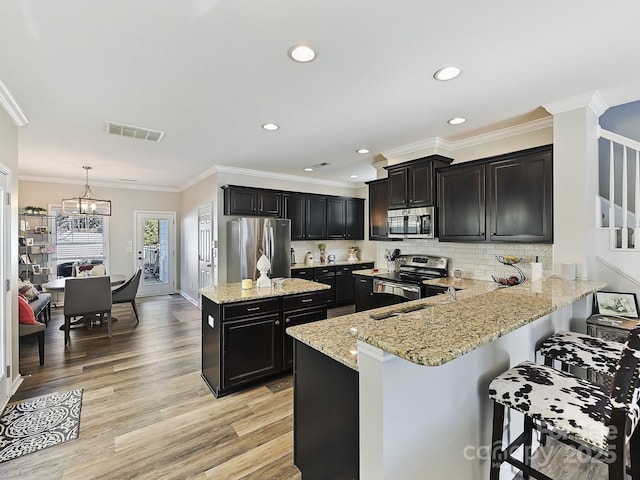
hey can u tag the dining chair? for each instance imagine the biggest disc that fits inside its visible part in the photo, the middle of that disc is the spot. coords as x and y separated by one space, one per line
86 297
126 293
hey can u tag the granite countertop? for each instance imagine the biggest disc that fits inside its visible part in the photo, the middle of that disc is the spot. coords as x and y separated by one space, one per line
233 292
329 264
446 329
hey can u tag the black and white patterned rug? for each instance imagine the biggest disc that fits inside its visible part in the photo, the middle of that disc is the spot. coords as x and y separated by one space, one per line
39 423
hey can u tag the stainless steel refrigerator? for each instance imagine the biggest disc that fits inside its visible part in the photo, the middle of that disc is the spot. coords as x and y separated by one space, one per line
249 238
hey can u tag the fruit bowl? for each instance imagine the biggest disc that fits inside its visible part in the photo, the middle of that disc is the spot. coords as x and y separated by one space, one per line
506 280
508 259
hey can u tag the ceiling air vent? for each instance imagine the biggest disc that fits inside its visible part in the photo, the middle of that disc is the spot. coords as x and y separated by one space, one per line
131 131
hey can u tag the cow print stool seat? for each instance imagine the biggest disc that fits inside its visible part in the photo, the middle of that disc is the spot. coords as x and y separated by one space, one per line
580 350
578 412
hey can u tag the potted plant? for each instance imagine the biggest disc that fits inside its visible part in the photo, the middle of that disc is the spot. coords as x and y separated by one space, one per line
31 209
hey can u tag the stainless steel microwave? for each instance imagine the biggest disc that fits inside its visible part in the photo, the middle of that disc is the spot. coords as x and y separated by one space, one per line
411 223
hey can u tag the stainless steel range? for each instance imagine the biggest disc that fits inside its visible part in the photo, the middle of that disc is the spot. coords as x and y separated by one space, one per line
412 271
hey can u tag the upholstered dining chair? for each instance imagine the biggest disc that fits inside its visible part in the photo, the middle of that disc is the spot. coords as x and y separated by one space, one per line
86 297
126 293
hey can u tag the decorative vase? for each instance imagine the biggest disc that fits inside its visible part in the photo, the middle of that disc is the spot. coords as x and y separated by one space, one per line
263 265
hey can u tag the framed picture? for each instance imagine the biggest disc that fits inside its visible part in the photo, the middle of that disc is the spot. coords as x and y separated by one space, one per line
22 242
36 269
29 241
24 258
616 303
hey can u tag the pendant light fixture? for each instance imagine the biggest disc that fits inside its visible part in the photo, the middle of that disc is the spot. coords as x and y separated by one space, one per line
86 203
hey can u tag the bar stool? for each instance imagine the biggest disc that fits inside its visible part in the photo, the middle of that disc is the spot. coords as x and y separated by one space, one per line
579 413
581 350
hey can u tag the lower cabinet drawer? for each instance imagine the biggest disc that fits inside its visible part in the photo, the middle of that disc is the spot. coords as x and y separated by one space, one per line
304 300
246 309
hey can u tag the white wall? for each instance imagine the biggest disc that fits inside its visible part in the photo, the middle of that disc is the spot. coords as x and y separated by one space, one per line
121 223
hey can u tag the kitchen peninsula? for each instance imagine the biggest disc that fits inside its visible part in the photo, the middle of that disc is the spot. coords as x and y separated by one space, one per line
243 330
416 381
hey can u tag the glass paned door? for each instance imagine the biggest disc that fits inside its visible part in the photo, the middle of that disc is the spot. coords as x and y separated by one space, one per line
155 252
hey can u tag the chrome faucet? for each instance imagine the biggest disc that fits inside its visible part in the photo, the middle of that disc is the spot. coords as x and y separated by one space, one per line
452 292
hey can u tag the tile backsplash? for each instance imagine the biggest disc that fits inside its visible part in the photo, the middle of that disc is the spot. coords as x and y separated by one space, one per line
340 248
476 260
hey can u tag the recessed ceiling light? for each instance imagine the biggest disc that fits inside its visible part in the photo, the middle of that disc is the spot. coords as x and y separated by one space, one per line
308 169
353 176
447 73
456 121
363 150
270 126
302 53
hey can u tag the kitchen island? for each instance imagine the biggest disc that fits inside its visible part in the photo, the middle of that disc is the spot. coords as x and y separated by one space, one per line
421 377
243 330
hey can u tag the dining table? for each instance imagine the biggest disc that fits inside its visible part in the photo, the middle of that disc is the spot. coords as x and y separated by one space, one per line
57 285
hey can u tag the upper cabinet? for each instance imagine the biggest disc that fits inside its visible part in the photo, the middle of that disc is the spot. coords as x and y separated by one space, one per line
508 198
412 184
345 218
378 206
313 216
251 201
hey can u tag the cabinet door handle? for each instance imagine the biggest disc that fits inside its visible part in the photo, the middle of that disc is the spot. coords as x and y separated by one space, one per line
277 322
363 281
306 300
253 309
288 320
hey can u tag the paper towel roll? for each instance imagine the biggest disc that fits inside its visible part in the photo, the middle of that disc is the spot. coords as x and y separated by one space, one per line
569 271
536 271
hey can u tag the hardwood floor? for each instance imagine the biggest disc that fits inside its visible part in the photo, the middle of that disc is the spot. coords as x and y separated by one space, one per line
146 412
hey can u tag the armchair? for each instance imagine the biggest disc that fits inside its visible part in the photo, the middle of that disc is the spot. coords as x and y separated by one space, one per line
86 297
126 293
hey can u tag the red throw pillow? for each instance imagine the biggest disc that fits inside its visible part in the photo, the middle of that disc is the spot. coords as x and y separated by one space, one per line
25 312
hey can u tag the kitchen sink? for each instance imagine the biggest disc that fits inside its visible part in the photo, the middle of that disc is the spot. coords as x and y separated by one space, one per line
398 312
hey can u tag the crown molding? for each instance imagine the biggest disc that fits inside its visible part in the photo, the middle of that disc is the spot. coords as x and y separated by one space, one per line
508 132
285 177
592 100
66 181
11 106
198 178
409 152
414 150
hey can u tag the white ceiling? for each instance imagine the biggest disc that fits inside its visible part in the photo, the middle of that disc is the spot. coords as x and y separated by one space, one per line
210 72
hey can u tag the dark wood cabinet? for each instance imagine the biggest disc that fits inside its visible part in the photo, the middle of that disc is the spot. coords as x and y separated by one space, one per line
308 215
344 294
507 198
306 273
461 203
326 417
294 208
298 310
520 199
345 218
354 219
246 342
336 218
412 184
252 201
327 275
259 335
363 292
378 207
316 217
312 216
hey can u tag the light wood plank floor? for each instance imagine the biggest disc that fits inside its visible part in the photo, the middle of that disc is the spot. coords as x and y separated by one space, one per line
146 412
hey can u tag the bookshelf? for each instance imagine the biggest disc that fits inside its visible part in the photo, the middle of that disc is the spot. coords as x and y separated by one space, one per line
37 262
